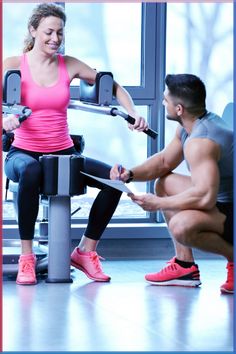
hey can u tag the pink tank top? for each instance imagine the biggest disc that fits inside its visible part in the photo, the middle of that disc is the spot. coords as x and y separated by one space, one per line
46 129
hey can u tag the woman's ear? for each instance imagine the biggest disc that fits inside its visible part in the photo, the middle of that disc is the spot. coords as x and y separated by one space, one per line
32 31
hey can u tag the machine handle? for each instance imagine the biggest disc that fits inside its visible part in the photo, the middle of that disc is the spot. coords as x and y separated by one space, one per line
115 112
111 111
22 111
149 132
26 112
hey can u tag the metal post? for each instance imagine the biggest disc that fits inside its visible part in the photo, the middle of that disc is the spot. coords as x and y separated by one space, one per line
59 240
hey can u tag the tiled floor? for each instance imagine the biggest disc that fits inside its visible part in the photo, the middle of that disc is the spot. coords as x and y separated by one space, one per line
126 314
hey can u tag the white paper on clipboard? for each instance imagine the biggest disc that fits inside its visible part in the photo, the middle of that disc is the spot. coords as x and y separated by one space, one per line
112 183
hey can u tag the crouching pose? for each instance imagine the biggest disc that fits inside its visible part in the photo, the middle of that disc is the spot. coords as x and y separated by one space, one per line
198 208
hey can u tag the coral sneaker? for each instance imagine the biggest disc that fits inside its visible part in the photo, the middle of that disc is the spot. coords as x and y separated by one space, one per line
89 263
26 272
228 286
174 274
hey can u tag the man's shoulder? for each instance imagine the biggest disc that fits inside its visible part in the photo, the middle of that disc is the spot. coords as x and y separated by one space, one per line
198 148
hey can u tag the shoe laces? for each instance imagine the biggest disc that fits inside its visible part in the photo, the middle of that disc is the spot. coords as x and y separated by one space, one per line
171 266
95 258
27 267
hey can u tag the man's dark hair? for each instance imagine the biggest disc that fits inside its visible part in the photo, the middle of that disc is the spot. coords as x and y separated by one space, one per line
189 91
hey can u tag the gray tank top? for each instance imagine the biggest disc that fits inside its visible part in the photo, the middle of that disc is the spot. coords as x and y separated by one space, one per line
214 128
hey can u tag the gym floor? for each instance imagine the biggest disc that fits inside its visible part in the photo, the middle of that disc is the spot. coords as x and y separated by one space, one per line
126 314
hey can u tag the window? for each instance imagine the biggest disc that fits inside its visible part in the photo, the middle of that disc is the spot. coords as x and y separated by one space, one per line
200 41
17 19
101 35
201 37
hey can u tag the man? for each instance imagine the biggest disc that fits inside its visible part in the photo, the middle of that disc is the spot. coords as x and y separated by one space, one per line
198 208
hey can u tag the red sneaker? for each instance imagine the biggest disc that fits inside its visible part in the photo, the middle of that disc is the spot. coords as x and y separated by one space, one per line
89 263
174 274
228 286
26 272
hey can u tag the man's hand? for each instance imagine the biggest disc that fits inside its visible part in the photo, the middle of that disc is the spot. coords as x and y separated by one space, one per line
10 123
149 201
119 172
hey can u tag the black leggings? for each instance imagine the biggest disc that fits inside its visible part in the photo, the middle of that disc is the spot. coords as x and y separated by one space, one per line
24 167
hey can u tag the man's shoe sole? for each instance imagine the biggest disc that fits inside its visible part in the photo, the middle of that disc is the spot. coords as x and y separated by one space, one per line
225 291
176 282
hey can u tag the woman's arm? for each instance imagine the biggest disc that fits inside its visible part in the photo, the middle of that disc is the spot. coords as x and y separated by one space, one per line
126 101
11 63
78 69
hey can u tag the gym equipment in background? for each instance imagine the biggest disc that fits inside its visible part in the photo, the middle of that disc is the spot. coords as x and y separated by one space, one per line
65 170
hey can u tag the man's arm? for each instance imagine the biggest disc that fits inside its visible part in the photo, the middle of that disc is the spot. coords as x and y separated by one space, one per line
202 156
155 166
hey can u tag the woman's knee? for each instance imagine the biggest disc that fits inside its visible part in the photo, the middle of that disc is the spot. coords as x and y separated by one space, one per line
110 192
31 172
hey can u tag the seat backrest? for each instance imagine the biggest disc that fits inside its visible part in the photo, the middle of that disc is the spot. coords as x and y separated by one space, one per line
228 115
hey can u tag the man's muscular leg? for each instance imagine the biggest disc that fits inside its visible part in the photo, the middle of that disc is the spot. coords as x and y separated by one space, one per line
201 229
169 185
192 228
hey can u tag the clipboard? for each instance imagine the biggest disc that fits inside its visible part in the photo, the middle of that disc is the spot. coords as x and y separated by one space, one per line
117 184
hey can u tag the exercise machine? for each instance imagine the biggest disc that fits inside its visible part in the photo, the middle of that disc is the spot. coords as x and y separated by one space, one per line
59 177
12 96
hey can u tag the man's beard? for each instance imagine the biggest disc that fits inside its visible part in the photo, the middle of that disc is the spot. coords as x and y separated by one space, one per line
174 118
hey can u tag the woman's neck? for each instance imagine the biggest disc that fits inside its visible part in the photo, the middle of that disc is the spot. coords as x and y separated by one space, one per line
41 58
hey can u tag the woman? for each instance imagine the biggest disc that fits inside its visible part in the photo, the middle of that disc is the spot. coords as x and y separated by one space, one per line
45 80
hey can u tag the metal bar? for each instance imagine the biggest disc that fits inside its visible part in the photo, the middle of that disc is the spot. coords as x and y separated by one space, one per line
90 108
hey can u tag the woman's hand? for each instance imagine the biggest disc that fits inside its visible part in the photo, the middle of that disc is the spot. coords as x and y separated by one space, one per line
10 122
140 123
125 100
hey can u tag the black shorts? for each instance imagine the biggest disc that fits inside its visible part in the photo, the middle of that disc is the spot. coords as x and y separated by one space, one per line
228 210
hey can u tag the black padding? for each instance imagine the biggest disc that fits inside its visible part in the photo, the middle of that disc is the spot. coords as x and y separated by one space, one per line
99 93
77 183
50 174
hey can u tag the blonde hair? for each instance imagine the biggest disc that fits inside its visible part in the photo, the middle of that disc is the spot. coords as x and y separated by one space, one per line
42 11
